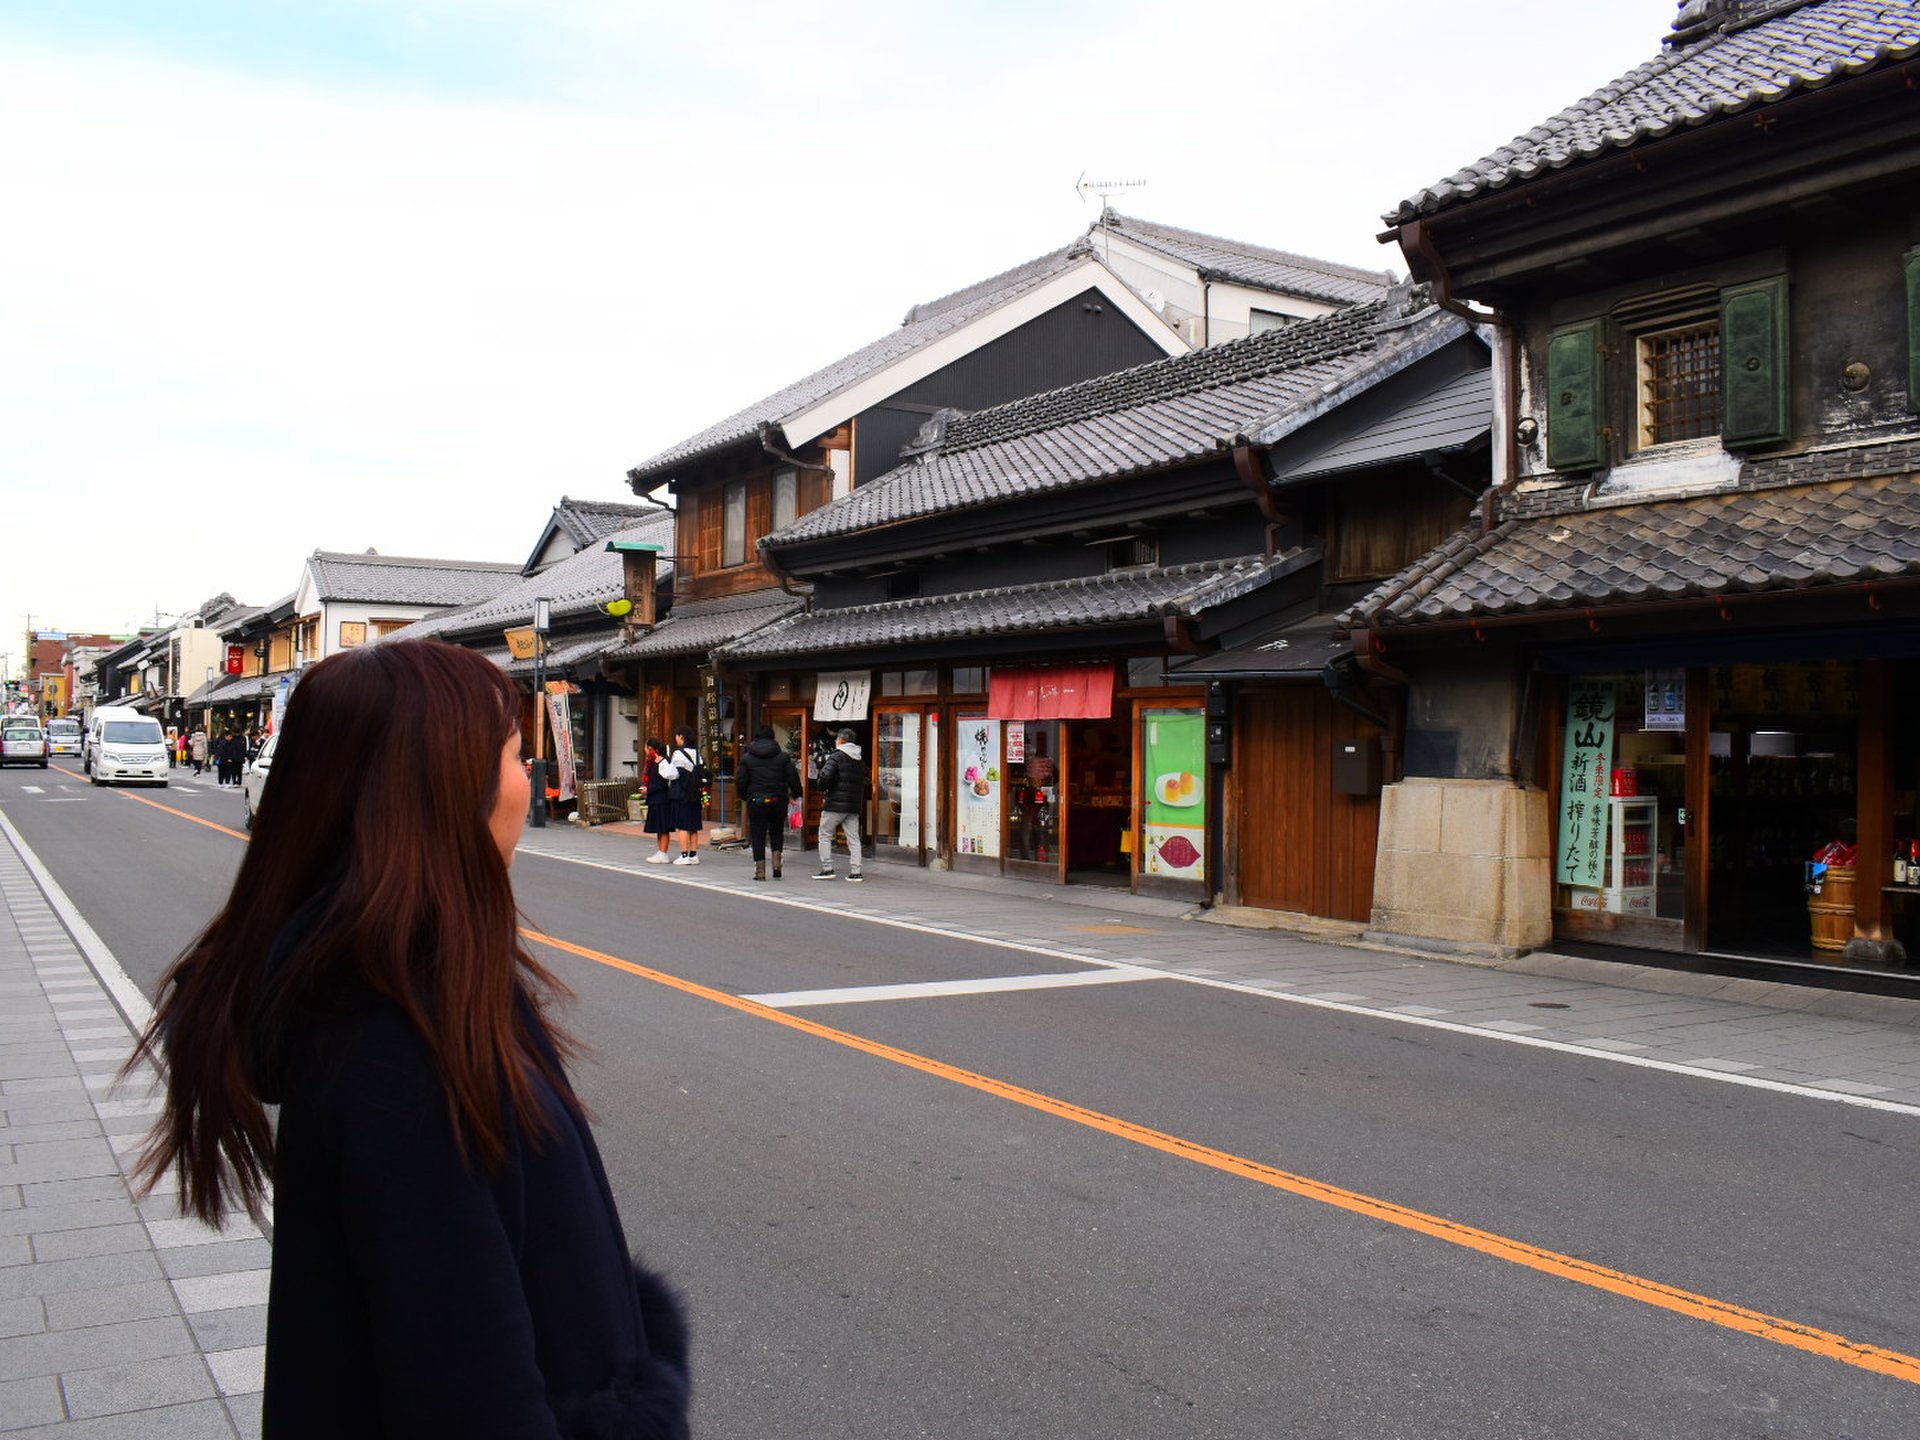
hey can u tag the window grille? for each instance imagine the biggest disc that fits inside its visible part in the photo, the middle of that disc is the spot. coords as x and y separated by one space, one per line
1680 383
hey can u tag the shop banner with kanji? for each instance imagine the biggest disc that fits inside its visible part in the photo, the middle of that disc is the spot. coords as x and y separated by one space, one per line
1173 759
562 722
1584 783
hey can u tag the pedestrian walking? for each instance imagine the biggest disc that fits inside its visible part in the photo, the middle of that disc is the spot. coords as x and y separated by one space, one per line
686 775
659 814
197 747
447 1257
843 786
768 781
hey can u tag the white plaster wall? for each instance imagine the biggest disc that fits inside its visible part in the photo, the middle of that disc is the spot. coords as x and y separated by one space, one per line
336 611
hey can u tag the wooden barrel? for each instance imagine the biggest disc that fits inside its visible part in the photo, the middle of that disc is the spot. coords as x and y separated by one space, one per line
1831 911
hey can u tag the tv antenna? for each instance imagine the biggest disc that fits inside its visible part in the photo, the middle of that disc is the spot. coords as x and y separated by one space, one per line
1105 189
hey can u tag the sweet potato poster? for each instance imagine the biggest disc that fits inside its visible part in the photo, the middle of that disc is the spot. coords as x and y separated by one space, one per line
1173 770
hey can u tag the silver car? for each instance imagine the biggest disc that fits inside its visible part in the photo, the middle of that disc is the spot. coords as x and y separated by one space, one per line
253 780
23 742
63 736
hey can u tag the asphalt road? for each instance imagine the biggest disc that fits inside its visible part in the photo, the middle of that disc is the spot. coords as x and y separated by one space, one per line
1112 1210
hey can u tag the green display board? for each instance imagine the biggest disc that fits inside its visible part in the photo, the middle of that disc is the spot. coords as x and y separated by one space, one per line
1173 771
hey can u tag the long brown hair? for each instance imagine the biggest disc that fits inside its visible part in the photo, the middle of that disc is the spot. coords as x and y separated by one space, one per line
376 823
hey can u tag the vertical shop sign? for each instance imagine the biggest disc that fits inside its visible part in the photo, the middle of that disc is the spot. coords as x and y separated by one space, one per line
1666 704
1173 765
1583 783
557 714
1016 742
977 770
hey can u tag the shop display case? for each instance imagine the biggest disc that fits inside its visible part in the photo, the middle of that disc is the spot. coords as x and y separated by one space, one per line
1631 854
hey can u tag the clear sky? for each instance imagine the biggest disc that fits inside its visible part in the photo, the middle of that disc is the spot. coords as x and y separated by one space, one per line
286 275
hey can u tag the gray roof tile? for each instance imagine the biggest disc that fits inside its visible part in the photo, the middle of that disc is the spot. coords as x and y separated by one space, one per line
1724 72
1176 590
1795 538
1163 413
1253 265
697 626
406 580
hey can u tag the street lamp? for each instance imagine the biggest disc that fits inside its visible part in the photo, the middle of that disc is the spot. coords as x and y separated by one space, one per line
542 618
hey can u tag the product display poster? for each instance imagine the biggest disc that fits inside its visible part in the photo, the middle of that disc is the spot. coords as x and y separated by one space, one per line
977 771
1583 783
1666 705
562 741
910 780
1173 768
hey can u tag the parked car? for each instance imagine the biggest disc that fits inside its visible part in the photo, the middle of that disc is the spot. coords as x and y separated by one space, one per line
127 750
64 737
23 742
253 780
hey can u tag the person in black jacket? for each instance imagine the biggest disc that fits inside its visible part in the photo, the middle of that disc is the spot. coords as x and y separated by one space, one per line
843 786
447 1256
768 781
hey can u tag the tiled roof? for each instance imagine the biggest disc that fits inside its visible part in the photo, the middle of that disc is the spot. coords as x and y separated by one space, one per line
697 626
582 582
925 324
586 521
1176 590
1154 415
1253 265
1452 415
401 580
1792 48
1742 542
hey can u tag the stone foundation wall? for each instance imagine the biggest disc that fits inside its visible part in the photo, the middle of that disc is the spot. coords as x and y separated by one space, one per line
1466 864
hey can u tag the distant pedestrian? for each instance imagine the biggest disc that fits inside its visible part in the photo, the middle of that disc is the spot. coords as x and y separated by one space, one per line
659 814
768 782
447 1257
197 747
685 771
843 787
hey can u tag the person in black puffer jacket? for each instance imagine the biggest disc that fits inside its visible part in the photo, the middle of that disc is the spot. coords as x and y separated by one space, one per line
843 784
768 782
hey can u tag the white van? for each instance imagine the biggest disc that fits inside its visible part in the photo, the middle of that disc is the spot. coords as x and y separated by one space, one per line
122 745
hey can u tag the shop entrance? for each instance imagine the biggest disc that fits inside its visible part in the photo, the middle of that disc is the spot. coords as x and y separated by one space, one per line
1099 801
1782 785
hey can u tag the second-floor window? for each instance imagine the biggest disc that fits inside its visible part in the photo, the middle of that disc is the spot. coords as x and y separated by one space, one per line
733 535
786 498
1679 382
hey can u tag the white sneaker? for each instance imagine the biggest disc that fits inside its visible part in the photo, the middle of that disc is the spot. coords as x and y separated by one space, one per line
659 857
686 859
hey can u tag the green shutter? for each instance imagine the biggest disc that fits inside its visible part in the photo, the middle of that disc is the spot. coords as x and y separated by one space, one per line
1912 265
1576 398
1753 362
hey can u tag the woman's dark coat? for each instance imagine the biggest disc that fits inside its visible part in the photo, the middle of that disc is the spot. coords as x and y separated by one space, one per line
767 772
843 783
413 1296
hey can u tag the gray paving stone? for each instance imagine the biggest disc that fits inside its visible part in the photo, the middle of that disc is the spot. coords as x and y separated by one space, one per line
240 1371
37 1109
78 1215
100 1240
15 1250
55 1352
138 1385
42 1085
81 1309
230 1329
220 1292
65 1277
33 1401
245 1411
74 1192
26 1134
224 1258
201 1420
25 1316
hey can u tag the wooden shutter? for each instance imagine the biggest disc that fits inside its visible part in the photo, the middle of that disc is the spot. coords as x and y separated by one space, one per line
1753 362
1911 262
1576 398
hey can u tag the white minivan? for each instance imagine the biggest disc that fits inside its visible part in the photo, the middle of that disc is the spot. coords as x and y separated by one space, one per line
124 745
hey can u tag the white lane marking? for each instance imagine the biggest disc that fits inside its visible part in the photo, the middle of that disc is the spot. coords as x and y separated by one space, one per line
31 790
1671 1067
133 1005
931 989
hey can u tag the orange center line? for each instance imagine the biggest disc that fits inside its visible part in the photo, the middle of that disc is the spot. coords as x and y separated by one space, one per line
1548 1262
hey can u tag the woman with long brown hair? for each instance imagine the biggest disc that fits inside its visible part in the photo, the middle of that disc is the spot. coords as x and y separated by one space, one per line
447 1258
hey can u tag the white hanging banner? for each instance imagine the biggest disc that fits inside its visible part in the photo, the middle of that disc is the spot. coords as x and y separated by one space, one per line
842 694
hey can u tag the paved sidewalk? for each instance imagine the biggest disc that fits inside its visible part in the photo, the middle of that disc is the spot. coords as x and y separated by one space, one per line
1830 1044
117 1318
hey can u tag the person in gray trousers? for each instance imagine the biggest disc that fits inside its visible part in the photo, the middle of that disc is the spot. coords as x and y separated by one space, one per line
843 787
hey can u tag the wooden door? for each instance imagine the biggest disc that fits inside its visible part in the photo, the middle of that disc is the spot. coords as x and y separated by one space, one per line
1303 848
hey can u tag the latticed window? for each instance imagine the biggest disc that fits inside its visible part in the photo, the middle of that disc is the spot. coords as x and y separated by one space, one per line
1680 383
